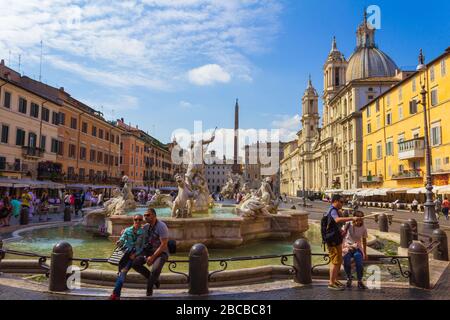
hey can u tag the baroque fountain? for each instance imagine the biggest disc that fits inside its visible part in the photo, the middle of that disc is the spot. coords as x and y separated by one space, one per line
193 217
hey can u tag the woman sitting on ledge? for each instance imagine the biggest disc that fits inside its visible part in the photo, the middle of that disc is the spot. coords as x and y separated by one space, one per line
132 240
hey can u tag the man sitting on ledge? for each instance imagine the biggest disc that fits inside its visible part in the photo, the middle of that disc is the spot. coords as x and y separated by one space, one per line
156 252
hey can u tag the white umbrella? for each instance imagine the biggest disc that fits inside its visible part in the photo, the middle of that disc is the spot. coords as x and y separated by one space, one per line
398 190
381 192
444 189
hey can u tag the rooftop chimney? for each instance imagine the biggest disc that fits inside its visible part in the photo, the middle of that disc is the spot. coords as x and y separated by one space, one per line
61 89
2 62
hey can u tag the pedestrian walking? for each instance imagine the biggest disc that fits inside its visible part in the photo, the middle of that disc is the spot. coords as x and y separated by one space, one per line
395 205
445 207
5 210
415 206
438 207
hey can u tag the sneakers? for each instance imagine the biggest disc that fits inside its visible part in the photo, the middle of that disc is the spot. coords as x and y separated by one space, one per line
150 288
349 283
335 287
361 286
114 297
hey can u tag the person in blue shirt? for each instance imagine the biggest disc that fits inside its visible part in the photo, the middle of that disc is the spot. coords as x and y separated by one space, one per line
132 240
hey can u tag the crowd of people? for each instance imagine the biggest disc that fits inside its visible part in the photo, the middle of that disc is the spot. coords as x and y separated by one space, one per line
37 204
441 206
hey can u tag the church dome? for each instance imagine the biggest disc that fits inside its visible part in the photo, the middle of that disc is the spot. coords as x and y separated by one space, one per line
370 62
367 60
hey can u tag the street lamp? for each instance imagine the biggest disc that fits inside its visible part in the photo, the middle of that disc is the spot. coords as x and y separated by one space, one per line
430 222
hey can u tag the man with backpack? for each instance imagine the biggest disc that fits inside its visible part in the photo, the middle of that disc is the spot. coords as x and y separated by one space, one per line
332 236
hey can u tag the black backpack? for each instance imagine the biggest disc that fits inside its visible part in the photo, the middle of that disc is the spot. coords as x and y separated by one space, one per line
331 233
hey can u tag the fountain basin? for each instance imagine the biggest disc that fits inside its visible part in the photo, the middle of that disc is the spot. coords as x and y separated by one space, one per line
222 233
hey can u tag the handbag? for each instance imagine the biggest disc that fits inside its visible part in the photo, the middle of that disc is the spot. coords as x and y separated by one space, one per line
118 254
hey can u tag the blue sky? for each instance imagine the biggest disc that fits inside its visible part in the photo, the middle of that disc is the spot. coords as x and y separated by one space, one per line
162 64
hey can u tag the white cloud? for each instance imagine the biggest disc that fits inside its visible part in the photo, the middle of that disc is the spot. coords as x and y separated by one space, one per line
154 40
288 126
185 105
208 74
112 107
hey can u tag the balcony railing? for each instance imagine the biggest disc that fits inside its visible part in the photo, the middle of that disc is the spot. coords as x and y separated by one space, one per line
12 167
75 178
411 149
371 179
443 169
408 174
32 152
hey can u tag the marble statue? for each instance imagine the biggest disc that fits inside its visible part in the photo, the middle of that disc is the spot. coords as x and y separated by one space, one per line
182 206
121 202
232 186
252 206
194 187
268 196
245 190
160 200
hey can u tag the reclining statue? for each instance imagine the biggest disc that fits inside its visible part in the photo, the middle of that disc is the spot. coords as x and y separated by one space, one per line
160 200
122 202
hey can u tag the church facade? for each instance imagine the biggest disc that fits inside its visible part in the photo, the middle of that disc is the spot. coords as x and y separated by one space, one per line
330 156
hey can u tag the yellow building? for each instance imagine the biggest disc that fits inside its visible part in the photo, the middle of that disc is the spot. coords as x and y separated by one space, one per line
393 130
29 127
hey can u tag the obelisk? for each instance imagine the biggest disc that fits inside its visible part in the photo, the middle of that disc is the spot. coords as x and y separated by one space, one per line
236 166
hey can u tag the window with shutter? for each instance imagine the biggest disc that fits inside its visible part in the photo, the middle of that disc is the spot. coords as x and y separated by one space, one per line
7 100
5 134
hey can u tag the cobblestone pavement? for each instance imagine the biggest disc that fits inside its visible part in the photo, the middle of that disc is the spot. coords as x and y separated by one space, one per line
318 291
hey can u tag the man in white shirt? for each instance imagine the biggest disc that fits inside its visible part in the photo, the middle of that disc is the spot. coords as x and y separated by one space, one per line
415 206
355 247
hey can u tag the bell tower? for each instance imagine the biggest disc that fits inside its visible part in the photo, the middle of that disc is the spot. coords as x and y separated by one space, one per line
310 111
334 72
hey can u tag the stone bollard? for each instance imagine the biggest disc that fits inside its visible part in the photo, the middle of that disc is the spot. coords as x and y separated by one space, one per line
413 224
67 214
419 265
198 269
61 259
302 262
441 252
383 222
406 236
24 215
